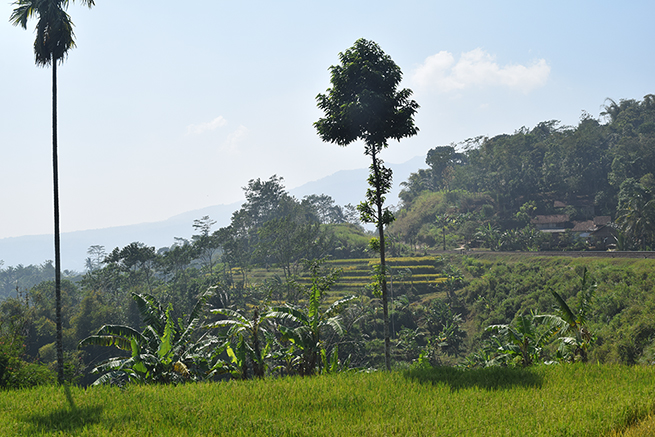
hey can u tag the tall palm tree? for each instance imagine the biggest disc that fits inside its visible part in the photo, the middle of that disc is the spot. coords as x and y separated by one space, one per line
54 38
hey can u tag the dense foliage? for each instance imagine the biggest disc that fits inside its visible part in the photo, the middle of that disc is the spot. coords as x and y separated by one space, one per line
274 309
598 168
481 310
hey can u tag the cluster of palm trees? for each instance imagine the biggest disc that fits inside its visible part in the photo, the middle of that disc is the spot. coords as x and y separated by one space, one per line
527 238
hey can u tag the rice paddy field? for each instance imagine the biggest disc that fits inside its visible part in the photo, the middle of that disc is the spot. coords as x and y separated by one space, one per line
558 400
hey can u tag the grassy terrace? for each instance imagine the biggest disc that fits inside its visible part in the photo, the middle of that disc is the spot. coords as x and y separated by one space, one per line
422 274
564 400
419 272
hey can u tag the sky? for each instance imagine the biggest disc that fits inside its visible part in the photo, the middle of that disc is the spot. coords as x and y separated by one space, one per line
167 107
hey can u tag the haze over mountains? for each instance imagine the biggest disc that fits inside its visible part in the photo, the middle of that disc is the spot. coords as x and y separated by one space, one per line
346 186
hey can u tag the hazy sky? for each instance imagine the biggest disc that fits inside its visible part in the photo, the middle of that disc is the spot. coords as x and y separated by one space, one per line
170 106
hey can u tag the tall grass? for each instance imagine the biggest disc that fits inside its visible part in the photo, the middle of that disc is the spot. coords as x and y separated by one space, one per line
545 401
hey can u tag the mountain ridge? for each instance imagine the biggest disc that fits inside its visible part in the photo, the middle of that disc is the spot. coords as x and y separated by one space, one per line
345 186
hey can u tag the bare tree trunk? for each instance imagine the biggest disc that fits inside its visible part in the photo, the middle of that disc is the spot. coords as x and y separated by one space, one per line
55 176
383 266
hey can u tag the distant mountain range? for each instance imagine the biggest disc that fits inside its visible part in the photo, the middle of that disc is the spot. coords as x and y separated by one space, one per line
346 186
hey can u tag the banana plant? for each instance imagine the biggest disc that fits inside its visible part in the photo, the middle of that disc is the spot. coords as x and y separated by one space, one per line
522 342
162 352
571 324
251 338
308 324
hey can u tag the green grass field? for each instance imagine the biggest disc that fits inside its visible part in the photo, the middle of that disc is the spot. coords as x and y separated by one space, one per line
560 400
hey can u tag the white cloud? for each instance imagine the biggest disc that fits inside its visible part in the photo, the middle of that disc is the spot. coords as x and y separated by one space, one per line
478 69
234 139
198 129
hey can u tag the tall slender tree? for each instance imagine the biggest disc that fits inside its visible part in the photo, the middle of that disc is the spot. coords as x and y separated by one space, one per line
364 103
54 38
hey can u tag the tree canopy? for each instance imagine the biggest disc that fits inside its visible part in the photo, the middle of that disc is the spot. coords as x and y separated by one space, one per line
364 102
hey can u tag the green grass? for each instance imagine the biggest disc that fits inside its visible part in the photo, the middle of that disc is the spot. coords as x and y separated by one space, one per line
544 401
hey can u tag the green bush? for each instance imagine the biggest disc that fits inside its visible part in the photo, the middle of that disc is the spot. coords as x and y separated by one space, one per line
16 373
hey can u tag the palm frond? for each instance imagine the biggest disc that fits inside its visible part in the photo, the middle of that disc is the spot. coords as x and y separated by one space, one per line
290 314
566 312
106 340
554 324
497 329
224 323
151 312
199 307
24 10
121 330
166 343
337 306
112 335
236 315
110 378
314 301
335 324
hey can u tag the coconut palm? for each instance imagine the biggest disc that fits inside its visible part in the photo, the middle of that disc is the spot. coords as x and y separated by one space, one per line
54 38
637 220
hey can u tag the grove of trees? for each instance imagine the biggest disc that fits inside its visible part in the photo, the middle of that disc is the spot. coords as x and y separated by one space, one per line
491 188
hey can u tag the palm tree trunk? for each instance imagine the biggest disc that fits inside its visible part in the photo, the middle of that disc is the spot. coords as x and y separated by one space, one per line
55 175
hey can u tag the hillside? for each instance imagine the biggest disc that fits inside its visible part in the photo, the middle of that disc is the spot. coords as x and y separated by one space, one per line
584 187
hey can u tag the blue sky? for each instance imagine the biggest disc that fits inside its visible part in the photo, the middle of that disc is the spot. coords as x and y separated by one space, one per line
166 107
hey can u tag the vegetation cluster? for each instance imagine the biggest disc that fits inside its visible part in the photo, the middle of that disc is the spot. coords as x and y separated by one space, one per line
479 310
488 191
259 297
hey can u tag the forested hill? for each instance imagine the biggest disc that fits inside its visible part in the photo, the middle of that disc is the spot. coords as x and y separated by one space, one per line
601 167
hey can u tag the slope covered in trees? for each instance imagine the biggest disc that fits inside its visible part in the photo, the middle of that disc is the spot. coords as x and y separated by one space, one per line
597 168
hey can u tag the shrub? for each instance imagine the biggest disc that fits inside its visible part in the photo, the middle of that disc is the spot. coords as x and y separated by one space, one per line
16 373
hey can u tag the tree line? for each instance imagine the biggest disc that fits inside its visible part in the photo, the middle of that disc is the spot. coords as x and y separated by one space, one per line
601 167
